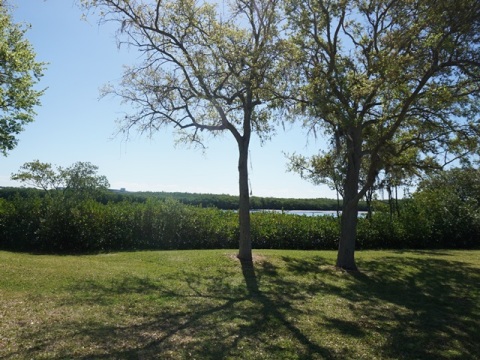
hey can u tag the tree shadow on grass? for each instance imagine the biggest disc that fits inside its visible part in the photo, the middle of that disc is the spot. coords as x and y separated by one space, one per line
421 308
204 318
442 300
273 309
428 308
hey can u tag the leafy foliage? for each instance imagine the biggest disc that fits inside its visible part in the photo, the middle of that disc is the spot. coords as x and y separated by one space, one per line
219 201
444 212
19 73
80 180
38 175
230 202
451 200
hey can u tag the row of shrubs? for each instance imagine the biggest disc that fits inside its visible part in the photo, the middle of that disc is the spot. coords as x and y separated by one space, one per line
55 225
59 226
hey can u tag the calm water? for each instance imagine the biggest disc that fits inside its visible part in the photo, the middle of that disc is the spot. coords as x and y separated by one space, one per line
308 212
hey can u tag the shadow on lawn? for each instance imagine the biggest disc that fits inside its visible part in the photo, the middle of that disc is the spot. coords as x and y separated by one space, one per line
272 309
425 308
428 308
205 318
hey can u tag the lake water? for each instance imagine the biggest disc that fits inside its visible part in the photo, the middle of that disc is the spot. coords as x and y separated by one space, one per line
308 212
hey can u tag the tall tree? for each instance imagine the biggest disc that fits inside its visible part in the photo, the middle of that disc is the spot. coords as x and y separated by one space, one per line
19 73
395 84
206 67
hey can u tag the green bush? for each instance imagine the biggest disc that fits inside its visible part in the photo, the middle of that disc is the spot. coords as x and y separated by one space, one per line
54 225
280 231
427 221
20 220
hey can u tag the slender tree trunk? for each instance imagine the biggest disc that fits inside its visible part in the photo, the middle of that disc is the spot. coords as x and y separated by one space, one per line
348 224
397 207
245 246
370 196
338 202
390 201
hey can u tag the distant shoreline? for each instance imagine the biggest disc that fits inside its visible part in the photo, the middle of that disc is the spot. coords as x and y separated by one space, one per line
220 201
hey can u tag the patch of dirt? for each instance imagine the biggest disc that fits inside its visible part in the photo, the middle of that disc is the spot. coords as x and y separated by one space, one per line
256 258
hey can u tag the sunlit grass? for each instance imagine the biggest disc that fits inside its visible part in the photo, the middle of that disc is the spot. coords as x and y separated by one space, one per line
206 305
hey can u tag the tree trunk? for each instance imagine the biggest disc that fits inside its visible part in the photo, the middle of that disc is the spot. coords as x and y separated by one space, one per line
348 224
348 236
397 206
245 245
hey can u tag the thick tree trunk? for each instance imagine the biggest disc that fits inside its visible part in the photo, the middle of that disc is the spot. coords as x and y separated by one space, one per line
245 245
348 224
348 237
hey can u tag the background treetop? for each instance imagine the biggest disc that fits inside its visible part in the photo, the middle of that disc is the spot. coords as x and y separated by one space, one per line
78 180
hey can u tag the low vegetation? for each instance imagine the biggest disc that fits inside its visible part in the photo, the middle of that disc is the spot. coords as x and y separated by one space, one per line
60 225
205 305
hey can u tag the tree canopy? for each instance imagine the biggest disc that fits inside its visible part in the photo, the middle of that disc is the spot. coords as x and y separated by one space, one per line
206 68
394 85
19 73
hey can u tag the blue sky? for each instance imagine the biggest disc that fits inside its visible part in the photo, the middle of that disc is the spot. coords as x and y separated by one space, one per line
74 125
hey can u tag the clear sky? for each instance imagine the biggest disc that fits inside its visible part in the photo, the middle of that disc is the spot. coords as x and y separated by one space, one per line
74 125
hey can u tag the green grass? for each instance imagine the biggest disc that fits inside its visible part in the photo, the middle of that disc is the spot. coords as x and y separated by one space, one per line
205 305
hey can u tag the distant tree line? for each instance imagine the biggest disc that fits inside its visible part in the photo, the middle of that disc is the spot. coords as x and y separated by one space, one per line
230 202
224 202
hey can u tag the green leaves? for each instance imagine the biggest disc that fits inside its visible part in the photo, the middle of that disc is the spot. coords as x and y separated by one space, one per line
402 76
79 180
39 175
205 66
19 73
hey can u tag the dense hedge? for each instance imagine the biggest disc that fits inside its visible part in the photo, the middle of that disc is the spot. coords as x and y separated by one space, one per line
54 225
57 225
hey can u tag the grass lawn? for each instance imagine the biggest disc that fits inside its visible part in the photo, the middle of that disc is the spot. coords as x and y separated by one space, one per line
204 305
